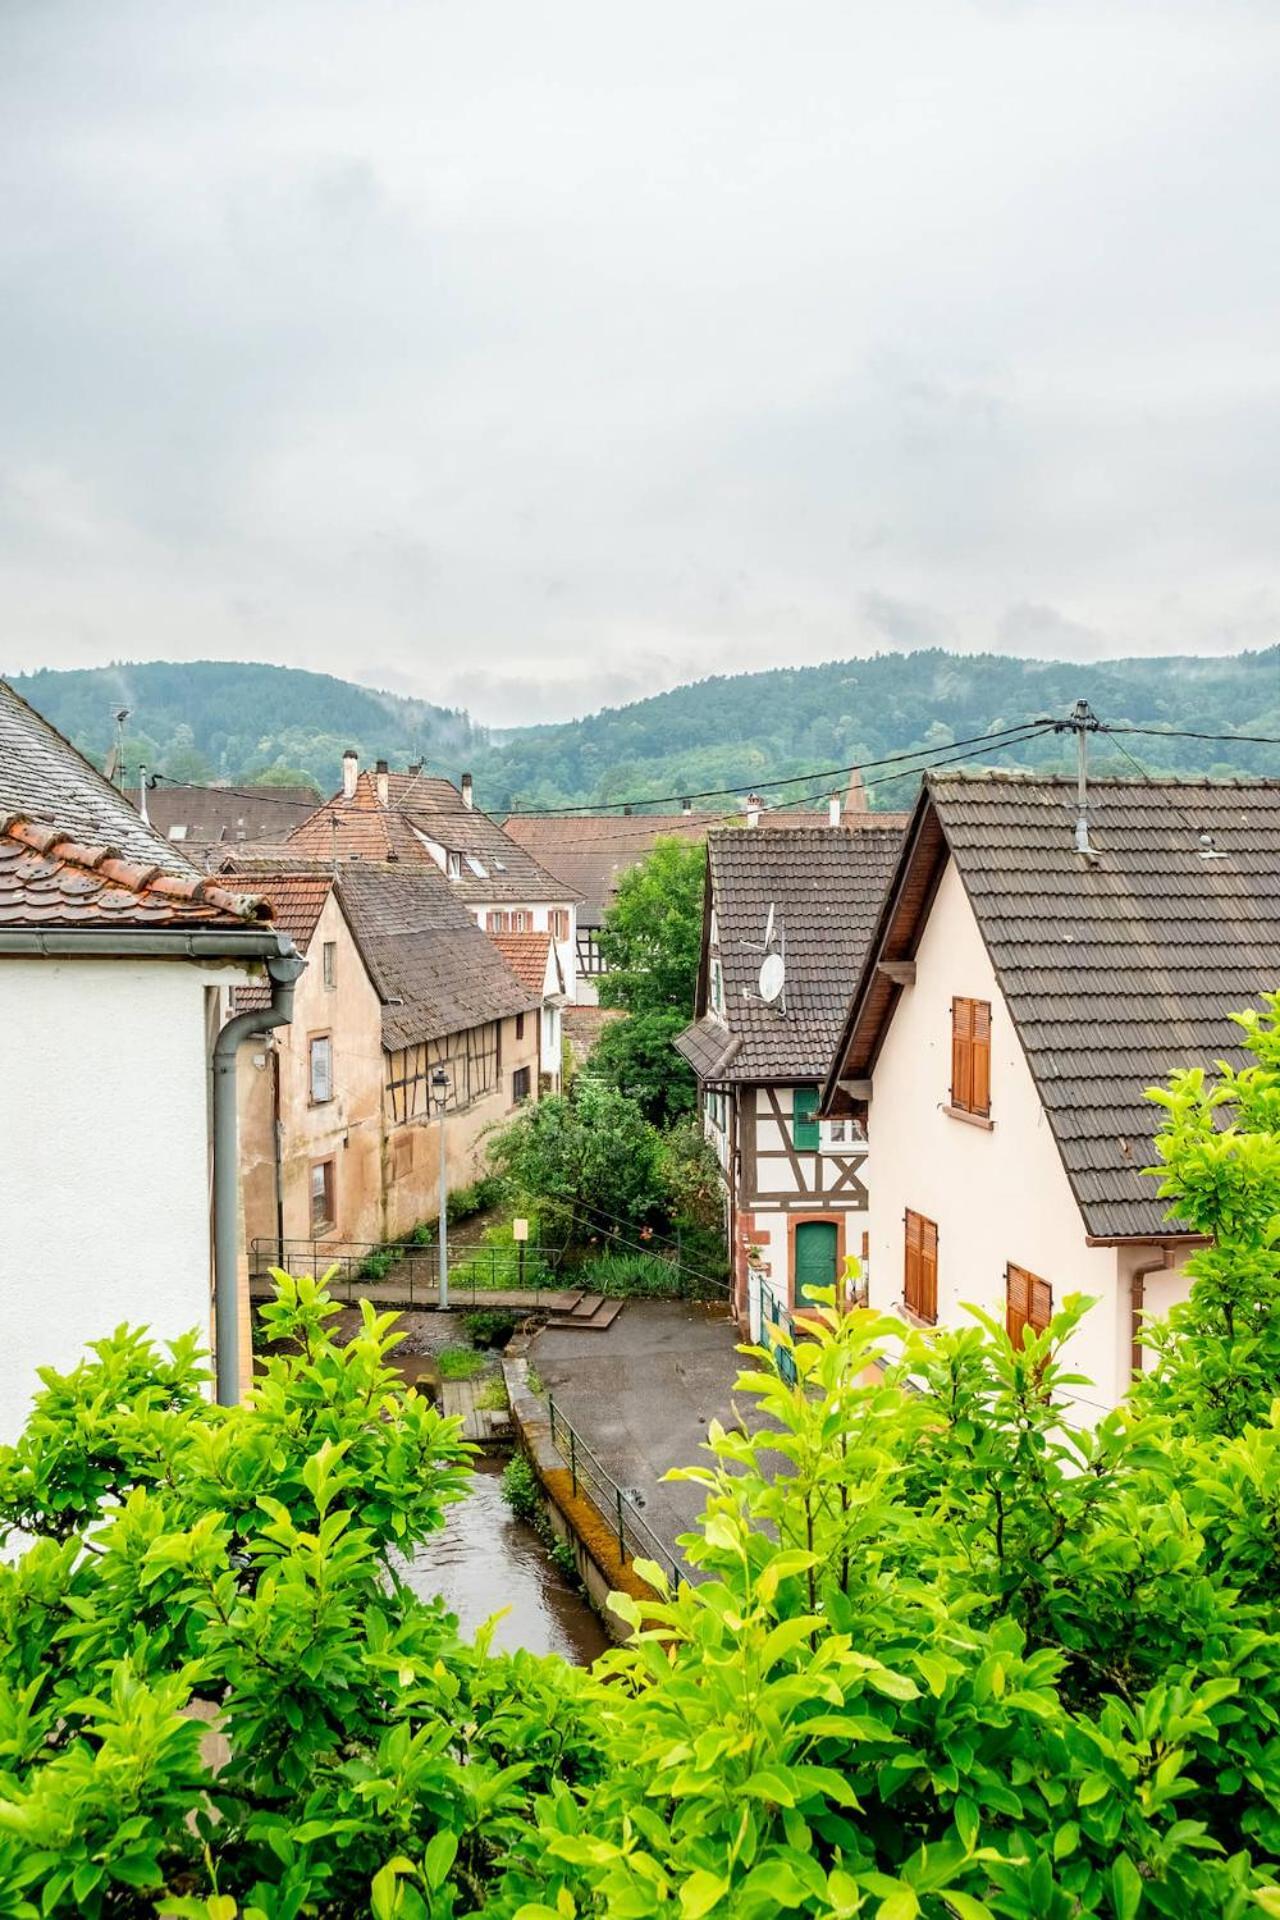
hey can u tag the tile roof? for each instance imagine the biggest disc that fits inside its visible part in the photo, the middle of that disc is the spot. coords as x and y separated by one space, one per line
204 817
45 778
825 886
591 854
527 954
1116 973
296 897
432 967
47 879
421 808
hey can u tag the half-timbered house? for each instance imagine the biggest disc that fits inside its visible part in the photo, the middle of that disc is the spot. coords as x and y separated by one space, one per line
785 924
340 1122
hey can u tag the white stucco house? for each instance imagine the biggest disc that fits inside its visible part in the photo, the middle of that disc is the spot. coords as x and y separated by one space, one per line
1016 999
113 952
786 919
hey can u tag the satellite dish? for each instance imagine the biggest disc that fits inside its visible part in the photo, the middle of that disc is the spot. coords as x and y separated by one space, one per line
768 927
773 977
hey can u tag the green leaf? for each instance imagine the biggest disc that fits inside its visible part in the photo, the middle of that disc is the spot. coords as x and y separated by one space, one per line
1092 1789
700 1893
900 1905
1126 1887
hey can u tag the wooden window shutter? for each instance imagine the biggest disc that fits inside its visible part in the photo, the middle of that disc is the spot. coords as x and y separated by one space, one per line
911 1276
1041 1304
980 1056
928 1270
805 1136
1017 1302
961 1053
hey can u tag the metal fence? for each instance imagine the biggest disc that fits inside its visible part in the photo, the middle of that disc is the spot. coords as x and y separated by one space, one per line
408 1272
616 1507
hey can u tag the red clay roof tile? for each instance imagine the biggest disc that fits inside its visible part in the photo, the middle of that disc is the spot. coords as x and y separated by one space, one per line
49 879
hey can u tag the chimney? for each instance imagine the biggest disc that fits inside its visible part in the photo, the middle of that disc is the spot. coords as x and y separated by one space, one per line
382 783
833 810
855 798
350 773
627 811
686 806
753 809
467 799
415 768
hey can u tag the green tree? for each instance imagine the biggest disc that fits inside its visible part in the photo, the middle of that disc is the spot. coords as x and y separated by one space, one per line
587 1164
651 941
284 776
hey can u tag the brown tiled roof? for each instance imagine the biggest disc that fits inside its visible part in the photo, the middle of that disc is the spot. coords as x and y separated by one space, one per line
1116 972
47 879
421 808
205 817
45 778
526 955
433 969
296 897
825 886
591 854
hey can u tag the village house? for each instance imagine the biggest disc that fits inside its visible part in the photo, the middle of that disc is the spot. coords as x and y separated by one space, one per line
785 924
417 819
115 954
208 821
590 853
340 1118
1016 999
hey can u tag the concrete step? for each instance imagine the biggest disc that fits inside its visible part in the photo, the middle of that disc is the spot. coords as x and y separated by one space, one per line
593 1313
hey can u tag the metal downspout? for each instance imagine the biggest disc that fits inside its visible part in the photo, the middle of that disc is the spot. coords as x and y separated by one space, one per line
284 973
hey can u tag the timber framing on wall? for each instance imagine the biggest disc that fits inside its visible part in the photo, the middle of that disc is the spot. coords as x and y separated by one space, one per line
472 1059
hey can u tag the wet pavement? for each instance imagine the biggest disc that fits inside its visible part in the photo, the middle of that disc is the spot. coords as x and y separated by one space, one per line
642 1395
486 1559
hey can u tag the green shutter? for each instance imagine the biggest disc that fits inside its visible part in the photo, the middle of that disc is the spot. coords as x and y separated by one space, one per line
804 1119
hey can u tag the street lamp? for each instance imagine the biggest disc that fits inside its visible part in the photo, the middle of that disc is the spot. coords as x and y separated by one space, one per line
440 1081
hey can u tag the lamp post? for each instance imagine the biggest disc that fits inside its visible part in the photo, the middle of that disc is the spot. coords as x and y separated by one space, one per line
440 1081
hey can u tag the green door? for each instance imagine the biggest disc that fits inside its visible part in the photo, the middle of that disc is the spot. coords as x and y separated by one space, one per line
816 1246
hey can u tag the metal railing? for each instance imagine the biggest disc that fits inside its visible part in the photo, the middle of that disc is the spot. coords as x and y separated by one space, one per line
409 1272
613 1503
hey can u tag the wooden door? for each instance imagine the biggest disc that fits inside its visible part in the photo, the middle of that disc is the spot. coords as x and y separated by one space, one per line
817 1248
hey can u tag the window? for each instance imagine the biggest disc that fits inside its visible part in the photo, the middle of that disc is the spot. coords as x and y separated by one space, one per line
804 1120
453 864
971 1056
330 961
920 1288
520 1085
177 832
322 1209
507 920
558 923
321 1069
717 987
519 1026
1028 1302
842 1134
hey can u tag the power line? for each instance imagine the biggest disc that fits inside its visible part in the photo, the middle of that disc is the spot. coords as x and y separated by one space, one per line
1192 733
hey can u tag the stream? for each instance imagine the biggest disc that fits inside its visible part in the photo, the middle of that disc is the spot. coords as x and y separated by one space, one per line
485 1559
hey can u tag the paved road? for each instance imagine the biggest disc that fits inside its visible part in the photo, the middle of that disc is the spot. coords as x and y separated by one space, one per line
642 1395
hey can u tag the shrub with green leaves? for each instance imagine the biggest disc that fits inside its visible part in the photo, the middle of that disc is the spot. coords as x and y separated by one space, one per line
520 1488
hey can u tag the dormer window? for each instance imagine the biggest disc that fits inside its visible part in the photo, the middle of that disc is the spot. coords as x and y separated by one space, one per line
477 867
453 864
717 987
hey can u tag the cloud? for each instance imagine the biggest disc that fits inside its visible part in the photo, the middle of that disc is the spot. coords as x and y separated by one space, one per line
544 354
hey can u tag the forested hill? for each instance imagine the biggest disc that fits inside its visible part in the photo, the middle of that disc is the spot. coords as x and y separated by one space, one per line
232 721
731 731
235 720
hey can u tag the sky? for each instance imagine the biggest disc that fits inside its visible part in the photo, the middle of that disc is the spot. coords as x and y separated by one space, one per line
533 356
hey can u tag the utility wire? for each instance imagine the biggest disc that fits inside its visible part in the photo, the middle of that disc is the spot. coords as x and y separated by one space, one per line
1191 733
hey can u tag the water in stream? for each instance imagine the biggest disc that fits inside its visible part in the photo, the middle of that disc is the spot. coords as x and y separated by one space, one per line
486 1559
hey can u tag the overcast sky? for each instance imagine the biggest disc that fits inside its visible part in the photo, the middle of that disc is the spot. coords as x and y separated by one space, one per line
531 354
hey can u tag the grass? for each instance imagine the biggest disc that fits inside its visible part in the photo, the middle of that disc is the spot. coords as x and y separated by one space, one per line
631 1276
493 1398
461 1363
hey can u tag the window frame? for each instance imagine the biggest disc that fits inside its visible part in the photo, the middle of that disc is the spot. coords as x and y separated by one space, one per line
921 1298
518 1096
322 1035
329 965
970 1057
519 1026
327 1168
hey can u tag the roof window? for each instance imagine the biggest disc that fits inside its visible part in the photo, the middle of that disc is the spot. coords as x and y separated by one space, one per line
177 831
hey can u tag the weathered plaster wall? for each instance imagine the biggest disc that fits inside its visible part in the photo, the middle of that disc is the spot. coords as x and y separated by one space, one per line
104 1159
996 1196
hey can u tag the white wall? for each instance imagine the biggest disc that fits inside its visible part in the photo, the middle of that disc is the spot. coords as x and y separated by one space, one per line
540 922
996 1196
104 1159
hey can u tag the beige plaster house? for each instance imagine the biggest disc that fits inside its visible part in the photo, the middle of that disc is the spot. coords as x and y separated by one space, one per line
1016 999
803 903
339 1118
